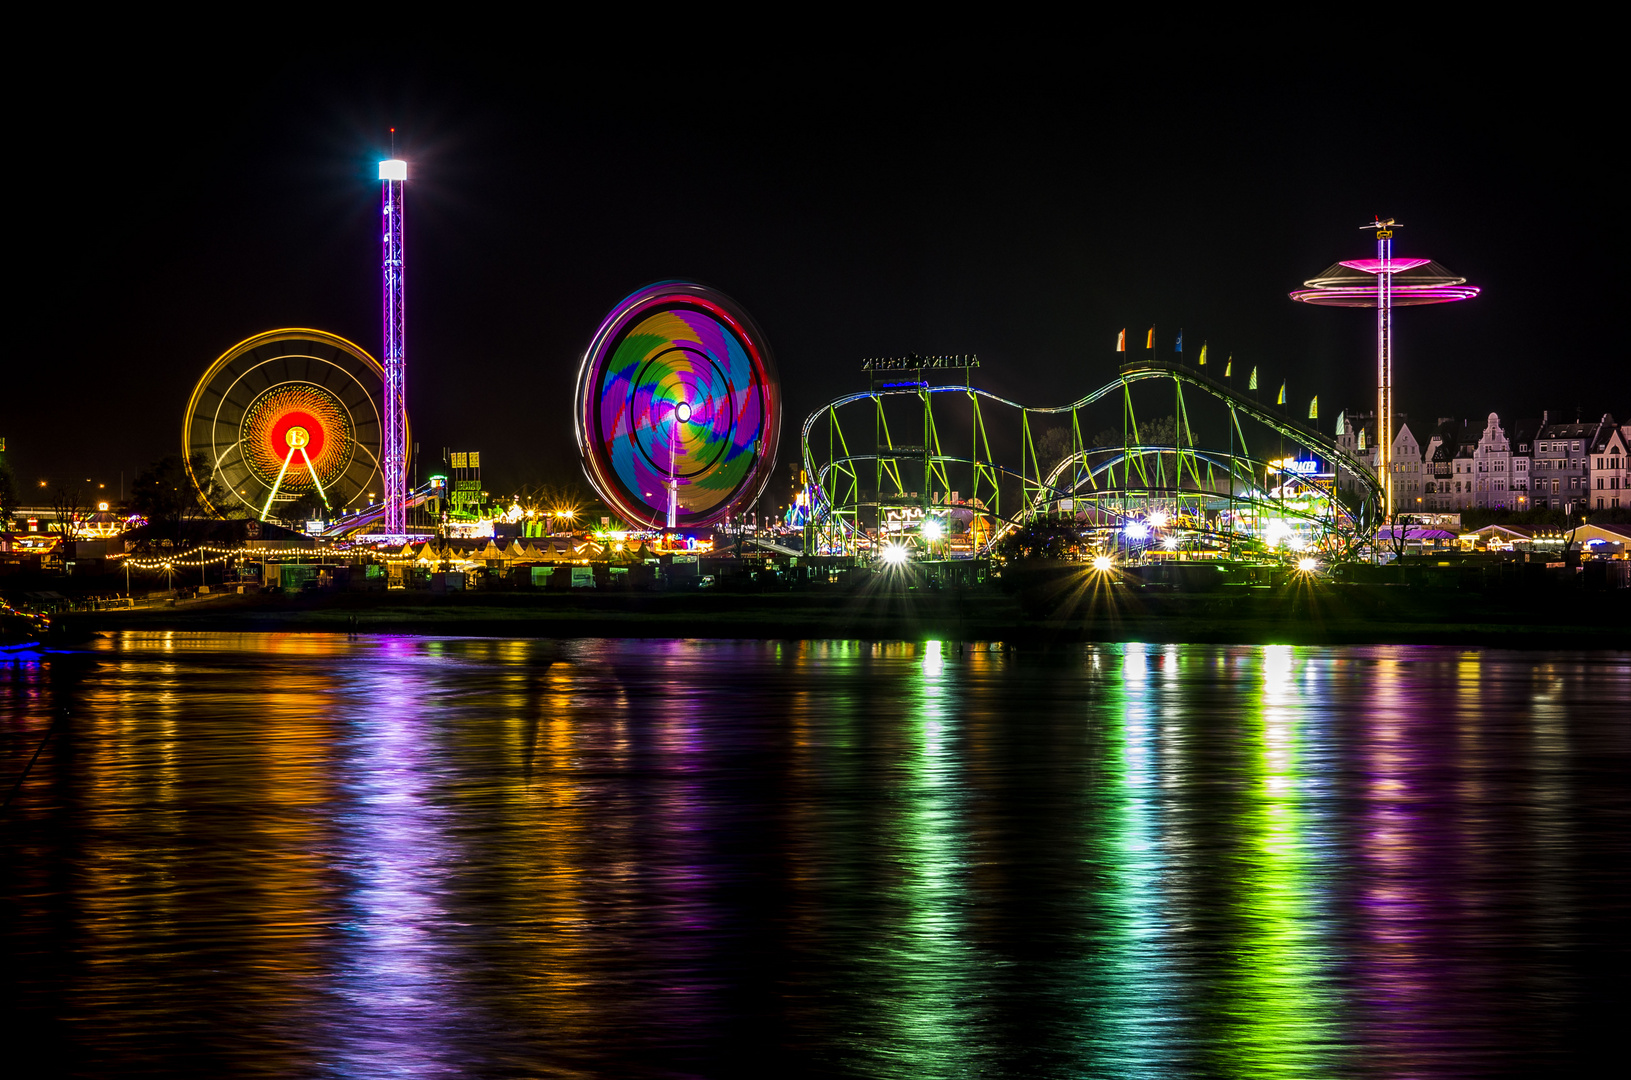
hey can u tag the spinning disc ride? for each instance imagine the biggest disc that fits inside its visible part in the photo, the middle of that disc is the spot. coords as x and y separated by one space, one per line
678 407
288 416
1384 283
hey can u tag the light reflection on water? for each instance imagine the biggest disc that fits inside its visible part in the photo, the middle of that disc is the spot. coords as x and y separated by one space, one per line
307 855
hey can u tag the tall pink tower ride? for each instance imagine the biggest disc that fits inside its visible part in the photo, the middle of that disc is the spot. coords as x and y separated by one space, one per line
393 176
1384 283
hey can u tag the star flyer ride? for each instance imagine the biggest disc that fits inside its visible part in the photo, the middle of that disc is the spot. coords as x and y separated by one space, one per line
678 408
1384 283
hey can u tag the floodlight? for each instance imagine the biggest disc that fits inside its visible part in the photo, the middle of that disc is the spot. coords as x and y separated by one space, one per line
393 170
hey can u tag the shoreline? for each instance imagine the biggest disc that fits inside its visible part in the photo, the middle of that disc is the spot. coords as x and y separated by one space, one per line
1343 615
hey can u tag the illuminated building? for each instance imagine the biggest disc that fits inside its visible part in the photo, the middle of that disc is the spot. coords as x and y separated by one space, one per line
1560 461
1610 466
1384 283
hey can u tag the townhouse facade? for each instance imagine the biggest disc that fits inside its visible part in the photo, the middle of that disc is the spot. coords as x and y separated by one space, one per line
1610 467
1541 464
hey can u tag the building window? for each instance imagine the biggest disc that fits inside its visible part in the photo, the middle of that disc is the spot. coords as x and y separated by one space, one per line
1599 502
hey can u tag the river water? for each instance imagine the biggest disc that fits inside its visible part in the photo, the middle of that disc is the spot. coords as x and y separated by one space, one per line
303 855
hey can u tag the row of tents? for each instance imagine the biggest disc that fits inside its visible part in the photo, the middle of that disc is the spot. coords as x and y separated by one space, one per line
504 554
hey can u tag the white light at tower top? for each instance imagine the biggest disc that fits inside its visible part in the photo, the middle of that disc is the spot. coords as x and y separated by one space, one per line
393 170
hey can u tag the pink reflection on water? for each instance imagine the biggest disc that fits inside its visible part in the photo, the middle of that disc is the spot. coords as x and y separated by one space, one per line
399 1009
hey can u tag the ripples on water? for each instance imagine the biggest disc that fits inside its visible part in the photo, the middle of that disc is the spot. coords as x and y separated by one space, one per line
281 855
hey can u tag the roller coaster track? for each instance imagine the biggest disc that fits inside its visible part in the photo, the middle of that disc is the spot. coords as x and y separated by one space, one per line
835 477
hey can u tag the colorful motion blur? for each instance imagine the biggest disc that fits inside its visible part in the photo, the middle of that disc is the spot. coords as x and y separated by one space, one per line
284 417
1384 283
678 407
299 425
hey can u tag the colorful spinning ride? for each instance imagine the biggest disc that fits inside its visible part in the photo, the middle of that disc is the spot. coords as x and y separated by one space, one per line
289 416
678 408
1384 283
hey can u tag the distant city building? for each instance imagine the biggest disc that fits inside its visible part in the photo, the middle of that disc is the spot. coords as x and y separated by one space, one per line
1560 460
1542 464
1609 469
1406 466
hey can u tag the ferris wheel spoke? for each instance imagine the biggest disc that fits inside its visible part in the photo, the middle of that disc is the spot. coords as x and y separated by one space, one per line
278 483
309 468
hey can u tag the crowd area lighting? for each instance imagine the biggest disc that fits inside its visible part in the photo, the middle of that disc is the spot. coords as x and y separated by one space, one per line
1103 563
1307 565
894 555
932 530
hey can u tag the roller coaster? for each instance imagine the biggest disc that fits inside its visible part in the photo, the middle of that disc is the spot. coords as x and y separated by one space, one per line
1219 475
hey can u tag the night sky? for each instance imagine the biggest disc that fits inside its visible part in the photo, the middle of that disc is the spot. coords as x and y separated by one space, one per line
862 206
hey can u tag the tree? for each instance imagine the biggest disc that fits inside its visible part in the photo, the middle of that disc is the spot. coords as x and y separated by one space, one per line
165 495
1053 448
1042 539
1158 431
1396 539
66 503
8 493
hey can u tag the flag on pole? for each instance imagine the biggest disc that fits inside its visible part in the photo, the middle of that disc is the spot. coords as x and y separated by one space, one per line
1203 354
1149 340
1281 400
1253 384
1179 348
1342 422
1314 408
1121 341
1361 438
1229 367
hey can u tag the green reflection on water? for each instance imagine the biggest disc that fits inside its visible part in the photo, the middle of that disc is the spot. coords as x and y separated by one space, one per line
931 956
1134 1000
1281 1008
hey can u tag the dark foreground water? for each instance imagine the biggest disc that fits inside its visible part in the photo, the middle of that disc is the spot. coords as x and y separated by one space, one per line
299 855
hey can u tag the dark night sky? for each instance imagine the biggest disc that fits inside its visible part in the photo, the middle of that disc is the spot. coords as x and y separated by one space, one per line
855 207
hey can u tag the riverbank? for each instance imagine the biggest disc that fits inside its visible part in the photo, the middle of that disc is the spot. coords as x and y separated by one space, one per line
1072 611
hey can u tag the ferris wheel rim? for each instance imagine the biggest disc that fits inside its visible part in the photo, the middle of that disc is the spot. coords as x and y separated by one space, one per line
270 337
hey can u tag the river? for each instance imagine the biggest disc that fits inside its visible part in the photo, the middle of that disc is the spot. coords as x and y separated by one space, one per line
310 855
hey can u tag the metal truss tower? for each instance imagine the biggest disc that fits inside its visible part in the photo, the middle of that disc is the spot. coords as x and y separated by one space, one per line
393 175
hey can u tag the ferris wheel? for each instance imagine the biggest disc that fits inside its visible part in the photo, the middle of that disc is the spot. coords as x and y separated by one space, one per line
678 407
283 417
